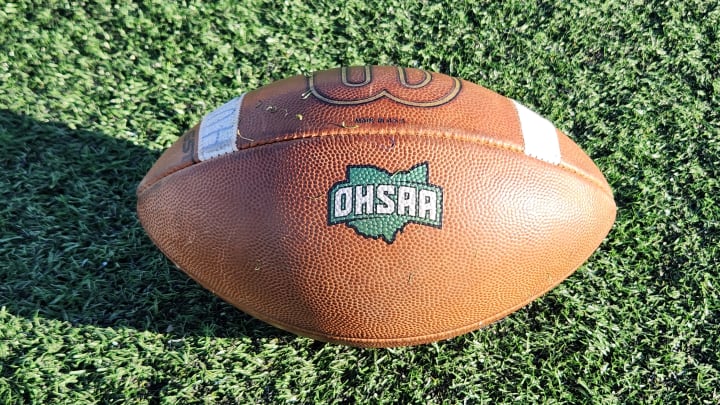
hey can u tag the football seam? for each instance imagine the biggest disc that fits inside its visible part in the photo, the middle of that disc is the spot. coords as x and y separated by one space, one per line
440 134
141 188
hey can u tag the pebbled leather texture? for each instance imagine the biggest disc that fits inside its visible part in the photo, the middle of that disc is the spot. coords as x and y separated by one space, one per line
255 225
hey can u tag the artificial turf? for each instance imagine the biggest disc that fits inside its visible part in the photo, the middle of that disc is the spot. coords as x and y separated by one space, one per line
91 92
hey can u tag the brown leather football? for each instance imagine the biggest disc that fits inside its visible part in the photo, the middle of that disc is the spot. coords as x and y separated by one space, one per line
376 206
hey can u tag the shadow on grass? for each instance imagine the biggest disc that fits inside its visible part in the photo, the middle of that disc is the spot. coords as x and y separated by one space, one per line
72 249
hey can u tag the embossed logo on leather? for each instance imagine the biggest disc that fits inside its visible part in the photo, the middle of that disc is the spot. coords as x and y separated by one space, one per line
379 204
367 86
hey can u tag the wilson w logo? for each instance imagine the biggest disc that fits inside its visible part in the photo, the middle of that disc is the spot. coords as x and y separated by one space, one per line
360 85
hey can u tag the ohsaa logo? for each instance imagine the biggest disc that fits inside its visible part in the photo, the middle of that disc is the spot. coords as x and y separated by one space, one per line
378 204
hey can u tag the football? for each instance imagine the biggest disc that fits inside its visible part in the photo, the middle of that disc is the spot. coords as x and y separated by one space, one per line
376 206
